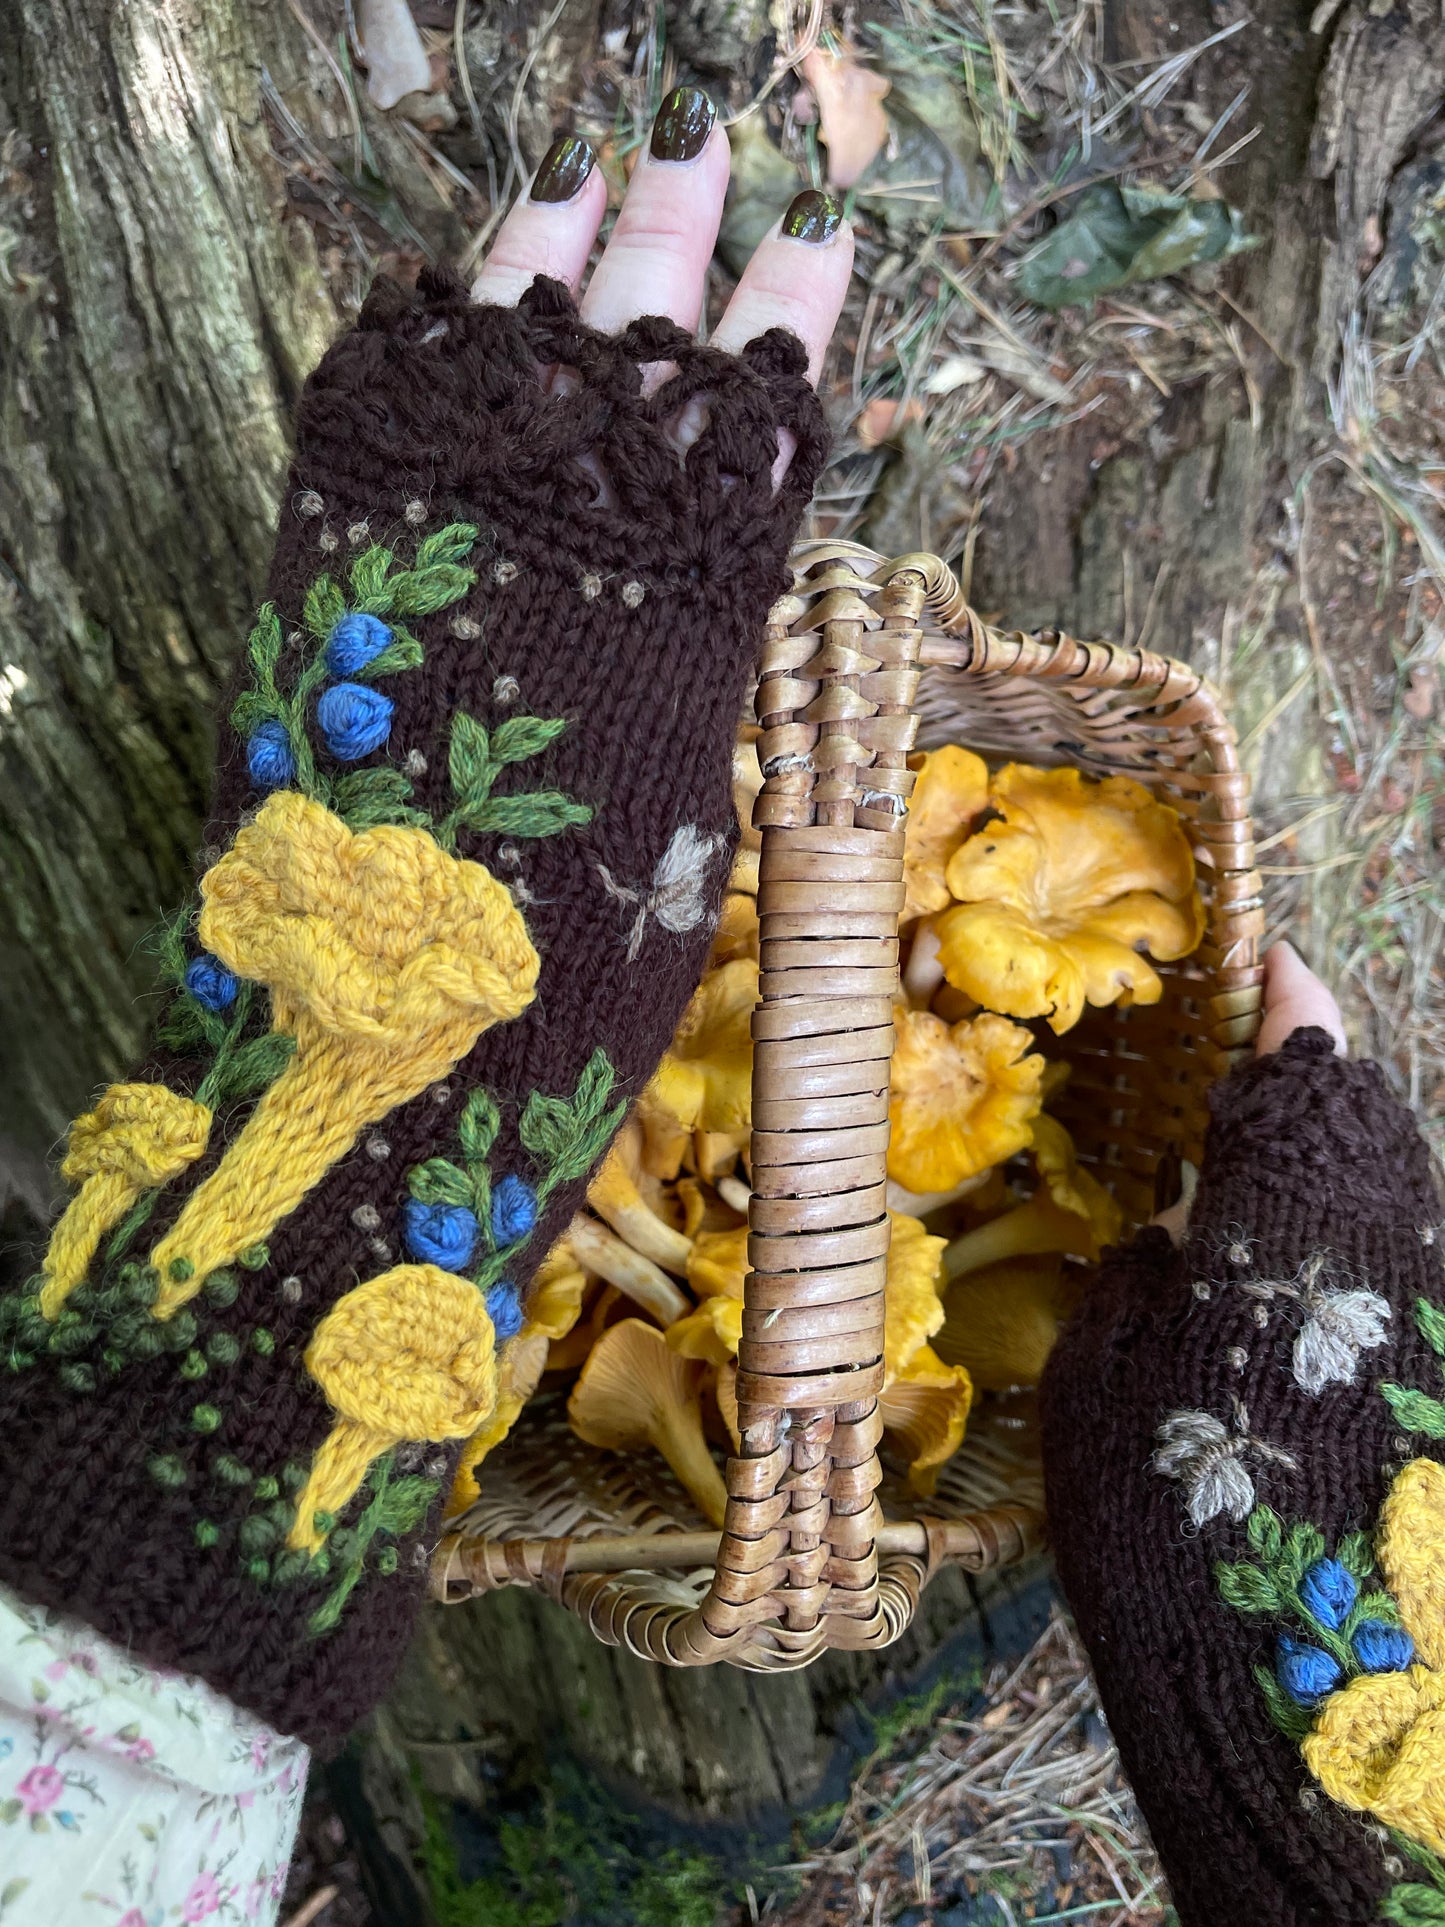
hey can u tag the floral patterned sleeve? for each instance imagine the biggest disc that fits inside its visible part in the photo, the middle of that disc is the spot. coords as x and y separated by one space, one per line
130 1795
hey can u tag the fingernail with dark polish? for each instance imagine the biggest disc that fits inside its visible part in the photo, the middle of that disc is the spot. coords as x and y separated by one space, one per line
564 168
813 216
684 121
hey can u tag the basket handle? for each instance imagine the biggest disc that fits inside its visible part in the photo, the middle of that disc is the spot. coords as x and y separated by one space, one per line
835 703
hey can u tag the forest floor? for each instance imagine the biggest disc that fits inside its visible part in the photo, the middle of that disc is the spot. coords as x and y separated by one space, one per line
979 1805
1007 1804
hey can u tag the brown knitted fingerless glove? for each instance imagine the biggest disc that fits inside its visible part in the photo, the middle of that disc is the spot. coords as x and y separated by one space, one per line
1242 1446
471 828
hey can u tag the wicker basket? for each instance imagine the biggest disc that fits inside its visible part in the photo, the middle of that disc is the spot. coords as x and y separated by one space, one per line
822 1547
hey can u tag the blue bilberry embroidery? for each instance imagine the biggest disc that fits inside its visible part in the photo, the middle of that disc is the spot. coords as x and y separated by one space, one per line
269 757
439 1234
504 1308
514 1211
1381 1648
356 642
210 983
355 720
1307 1673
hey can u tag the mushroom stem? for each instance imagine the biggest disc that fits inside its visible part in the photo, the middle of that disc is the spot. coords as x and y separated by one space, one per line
332 1088
923 973
1029 1229
336 1472
679 1437
614 1195
918 1204
101 1201
735 1193
600 1250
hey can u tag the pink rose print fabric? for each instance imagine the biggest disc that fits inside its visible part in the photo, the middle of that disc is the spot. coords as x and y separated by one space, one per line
131 1796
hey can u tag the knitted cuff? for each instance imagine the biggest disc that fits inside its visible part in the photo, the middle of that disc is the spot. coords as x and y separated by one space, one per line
1241 1441
471 828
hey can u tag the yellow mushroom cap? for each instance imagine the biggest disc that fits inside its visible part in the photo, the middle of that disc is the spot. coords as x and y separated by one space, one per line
554 1302
712 1333
719 1262
635 1390
926 1410
963 1096
142 1133
614 1194
1070 1185
1059 898
1001 1321
912 1310
411 1353
949 794
704 1082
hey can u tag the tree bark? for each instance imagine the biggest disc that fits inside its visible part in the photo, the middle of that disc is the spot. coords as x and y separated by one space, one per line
157 316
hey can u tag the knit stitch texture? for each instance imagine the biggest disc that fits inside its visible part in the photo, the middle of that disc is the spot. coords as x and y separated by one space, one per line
620 593
1181 1363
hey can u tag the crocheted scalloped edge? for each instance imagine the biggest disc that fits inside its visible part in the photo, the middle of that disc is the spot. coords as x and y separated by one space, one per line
432 394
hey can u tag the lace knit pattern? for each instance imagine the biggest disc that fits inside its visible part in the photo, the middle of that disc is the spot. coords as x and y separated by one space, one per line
620 591
1307 1155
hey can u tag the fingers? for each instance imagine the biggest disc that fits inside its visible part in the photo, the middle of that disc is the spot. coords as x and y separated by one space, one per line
657 255
551 231
797 279
1294 997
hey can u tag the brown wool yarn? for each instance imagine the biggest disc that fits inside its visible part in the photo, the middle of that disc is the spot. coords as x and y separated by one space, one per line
1307 1155
621 588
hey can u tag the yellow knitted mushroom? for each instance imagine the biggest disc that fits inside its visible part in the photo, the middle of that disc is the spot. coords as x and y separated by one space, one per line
138 1136
408 1355
386 959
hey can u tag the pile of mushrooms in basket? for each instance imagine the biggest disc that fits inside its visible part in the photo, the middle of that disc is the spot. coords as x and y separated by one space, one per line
1030 894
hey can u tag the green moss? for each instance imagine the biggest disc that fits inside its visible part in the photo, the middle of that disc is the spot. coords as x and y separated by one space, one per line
576 1859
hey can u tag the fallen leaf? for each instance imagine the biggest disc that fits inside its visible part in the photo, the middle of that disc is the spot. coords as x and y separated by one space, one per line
883 418
761 186
1115 235
1421 690
956 371
851 120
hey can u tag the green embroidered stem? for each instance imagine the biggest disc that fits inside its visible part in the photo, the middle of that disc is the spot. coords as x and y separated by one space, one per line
476 758
394 1509
567 1136
1416 1901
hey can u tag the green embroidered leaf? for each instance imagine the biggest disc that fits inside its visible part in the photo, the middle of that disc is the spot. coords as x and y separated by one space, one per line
536 813
254 1065
451 544
367 796
323 608
1411 1903
478 1126
13 1889
1429 1863
369 586
265 642
421 592
1293 1720
523 736
438 1181
402 1506
404 652
1431 1320
469 758
1248 1589
251 709
1303 1545
1265 1533
567 1136
1355 1555
1416 1411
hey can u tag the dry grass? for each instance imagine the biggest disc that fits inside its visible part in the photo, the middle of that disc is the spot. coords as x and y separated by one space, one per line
1018 1802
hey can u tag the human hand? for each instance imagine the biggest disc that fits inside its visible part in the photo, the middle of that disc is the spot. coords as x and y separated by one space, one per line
1295 999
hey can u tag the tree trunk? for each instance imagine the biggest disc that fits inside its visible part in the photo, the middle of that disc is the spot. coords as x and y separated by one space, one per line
158 311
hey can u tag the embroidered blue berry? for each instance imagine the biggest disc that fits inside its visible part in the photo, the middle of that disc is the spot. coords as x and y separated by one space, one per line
1383 1649
1307 1673
1327 1593
354 720
210 983
514 1211
504 1308
268 757
355 641
439 1234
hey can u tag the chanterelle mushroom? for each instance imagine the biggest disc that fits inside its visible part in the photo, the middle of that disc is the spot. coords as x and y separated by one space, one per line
1058 900
614 1194
1002 1321
704 1082
950 793
1070 1212
962 1097
635 1391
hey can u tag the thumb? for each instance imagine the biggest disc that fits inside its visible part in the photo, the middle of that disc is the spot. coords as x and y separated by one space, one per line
1294 998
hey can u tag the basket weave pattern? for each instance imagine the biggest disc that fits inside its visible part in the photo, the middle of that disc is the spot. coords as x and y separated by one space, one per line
808 1558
